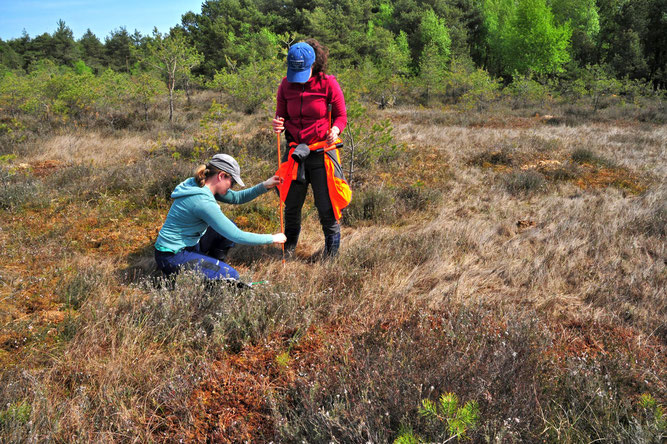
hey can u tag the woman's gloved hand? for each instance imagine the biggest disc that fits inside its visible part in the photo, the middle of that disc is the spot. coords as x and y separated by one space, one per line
272 182
279 238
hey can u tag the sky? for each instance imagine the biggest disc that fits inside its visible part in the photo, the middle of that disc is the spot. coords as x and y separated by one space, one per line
102 16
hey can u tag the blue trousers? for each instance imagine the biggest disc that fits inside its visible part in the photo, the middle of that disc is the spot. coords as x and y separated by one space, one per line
200 257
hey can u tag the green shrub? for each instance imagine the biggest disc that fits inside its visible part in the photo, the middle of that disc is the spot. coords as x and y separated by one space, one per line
586 155
15 414
524 182
368 141
214 133
250 86
454 421
525 91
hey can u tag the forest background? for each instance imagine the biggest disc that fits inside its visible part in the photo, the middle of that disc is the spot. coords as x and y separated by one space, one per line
503 269
389 52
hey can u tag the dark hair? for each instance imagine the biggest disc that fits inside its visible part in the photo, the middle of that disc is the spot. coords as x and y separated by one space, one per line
203 172
321 56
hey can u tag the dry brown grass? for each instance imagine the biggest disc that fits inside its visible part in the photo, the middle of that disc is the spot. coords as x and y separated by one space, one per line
507 298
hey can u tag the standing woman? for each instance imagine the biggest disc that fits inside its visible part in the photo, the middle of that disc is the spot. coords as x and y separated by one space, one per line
303 101
196 233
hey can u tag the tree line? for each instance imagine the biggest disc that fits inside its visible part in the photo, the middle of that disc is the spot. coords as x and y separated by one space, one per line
449 51
628 38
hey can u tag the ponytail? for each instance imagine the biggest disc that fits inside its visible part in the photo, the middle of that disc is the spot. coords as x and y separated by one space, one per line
203 172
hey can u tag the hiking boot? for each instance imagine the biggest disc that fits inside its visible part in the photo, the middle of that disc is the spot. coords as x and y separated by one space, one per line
331 245
290 243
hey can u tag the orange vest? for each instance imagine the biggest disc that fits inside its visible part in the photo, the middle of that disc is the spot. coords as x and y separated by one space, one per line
340 193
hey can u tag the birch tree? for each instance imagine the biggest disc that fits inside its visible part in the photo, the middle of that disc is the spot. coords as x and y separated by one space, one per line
172 57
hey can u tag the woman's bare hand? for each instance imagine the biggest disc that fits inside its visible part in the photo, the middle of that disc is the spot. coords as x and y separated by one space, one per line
278 124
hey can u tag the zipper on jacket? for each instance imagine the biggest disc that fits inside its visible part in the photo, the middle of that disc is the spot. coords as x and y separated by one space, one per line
303 90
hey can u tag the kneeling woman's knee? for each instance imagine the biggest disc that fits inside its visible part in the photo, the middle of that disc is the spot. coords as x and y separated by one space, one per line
211 268
214 269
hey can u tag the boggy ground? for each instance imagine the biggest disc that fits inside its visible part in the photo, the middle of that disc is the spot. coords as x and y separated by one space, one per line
511 259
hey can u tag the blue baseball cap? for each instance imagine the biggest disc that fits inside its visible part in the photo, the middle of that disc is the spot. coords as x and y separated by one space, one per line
300 58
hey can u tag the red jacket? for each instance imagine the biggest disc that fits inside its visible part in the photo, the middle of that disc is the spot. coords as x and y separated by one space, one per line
304 107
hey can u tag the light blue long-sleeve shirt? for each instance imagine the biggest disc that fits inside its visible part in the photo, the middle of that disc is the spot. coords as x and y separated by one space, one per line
195 209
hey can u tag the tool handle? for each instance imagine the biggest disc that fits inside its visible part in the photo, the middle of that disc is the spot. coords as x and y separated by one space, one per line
282 224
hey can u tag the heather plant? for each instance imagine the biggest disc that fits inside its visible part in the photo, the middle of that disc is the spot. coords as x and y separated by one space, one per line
582 155
18 189
524 182
386 205
188 309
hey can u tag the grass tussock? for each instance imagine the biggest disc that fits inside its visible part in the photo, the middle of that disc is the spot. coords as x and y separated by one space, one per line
514 261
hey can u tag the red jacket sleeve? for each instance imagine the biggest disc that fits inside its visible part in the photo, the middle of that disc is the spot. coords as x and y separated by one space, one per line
338 111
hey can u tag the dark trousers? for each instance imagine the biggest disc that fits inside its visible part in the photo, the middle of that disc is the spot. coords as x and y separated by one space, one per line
316 175
206 257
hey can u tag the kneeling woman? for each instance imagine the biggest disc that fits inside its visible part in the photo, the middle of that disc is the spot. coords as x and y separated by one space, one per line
196 233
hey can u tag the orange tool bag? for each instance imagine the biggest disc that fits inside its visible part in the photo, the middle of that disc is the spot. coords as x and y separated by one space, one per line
339 190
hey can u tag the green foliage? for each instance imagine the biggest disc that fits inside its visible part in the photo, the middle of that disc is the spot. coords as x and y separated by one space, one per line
15 414
596 84
113 90
251 86
470 87
522 37
583 19
173 57
482 90
12 131
434 58
9 58
525 91
432 73
80 68
434 33
214 132
120 50
652 421
92 51
145 90
369 141
446 413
